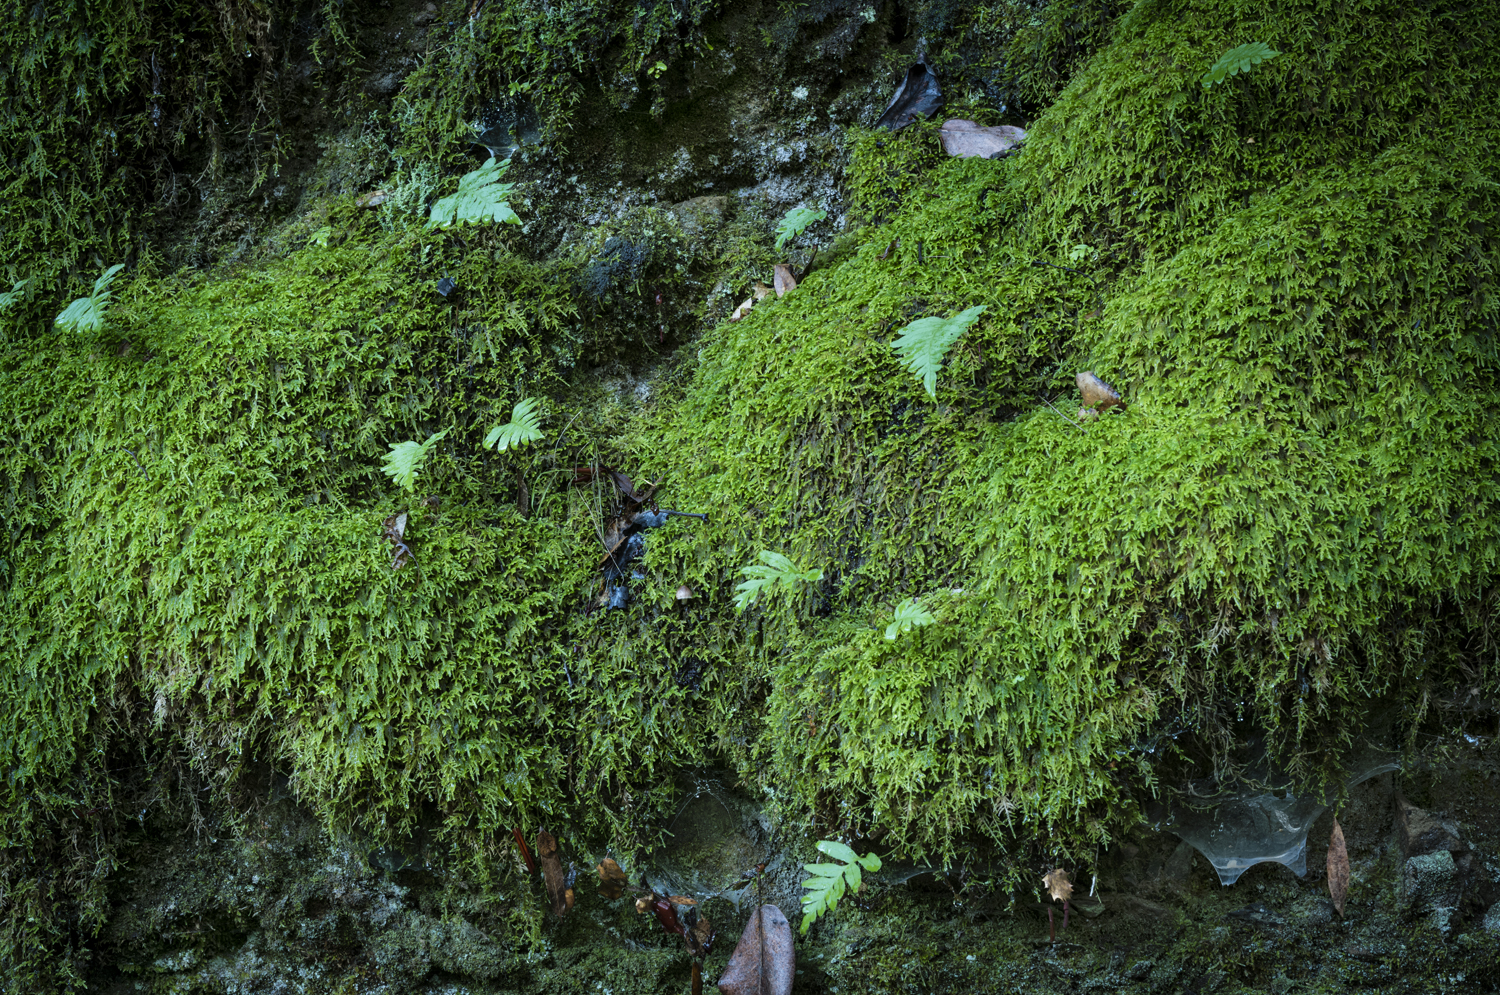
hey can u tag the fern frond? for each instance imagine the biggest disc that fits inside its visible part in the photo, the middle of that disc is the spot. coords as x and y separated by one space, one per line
86 314
830 882
524 426
14 294
925 342
1238 60
774 570
795 223
404 461
480 197
908 614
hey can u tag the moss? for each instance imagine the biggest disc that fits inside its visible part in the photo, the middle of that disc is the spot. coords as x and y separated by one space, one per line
1275 281
1290 277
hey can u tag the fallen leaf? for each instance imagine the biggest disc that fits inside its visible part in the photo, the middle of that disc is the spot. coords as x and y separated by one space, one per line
785 282
743 309
372 199
552 873
1096 393
917 96
965 139
1338 868
612 879
1058 885
763 962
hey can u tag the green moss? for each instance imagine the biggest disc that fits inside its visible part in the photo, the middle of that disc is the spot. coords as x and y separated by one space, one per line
1291 278
1296 297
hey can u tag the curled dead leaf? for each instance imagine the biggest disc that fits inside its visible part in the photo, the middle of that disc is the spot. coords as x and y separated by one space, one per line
612 879
917 96
743 309
1338 868
1096 393
1057 884
785 282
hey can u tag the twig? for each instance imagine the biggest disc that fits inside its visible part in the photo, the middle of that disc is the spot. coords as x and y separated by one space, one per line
138 464
1063 416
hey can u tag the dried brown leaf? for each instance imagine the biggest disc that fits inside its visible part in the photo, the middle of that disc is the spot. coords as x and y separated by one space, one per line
763 962
743 309
1338 868
552 872
785 282
1057 884
612 879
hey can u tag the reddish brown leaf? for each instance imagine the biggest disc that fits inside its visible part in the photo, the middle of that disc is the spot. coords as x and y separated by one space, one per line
552 873
1338 868
525 850
763 962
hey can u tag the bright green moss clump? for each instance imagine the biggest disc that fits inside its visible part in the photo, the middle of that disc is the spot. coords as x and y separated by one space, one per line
1295 290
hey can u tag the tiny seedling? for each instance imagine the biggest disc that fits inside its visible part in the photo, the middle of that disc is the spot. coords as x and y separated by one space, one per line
907 614
830 882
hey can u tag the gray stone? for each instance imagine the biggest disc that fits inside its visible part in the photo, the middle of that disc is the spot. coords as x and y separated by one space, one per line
1492 918
1431 878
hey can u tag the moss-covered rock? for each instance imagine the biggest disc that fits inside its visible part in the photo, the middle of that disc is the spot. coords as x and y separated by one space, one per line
1289 276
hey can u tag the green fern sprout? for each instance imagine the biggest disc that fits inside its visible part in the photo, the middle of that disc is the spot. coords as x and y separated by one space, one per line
829 882
87 313
795 223
774 570
1238 60
925 342
524 427
405 460
907 615
14 294
480 198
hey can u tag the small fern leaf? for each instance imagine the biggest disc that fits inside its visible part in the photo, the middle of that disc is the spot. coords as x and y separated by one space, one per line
774 570
86 314
924 343
404 461
795 223
524 427
481 197
907 615
1238 60
830 882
